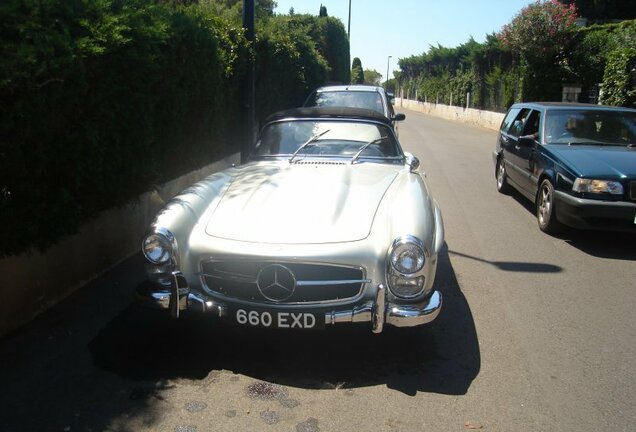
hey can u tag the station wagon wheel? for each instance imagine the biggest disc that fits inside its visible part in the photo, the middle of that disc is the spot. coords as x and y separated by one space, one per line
502 179
546 211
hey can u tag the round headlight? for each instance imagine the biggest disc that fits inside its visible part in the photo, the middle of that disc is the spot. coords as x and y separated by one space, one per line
407 256
157 248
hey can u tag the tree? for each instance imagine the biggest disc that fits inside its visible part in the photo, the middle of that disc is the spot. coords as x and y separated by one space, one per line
541 36
542 29
372 77
357 73
323 11
234 8
596 10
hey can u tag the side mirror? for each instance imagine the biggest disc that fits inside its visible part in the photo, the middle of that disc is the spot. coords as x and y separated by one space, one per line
526 140
412 161
398 117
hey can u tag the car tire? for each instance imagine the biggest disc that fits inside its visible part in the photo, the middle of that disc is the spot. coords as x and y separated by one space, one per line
501 177
546 210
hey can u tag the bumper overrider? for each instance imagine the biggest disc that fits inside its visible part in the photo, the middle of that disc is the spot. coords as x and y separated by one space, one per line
378 312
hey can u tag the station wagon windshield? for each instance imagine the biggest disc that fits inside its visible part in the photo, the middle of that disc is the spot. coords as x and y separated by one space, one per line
330 139
591 127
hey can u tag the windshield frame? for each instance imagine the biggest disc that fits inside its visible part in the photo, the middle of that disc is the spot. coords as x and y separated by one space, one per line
398 158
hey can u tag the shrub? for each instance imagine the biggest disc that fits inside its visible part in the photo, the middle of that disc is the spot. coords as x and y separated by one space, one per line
619 81
102 99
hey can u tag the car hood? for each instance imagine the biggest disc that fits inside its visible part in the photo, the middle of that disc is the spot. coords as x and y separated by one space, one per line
301 203
599 162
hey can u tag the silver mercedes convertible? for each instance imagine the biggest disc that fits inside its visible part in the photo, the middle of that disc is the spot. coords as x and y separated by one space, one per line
329 222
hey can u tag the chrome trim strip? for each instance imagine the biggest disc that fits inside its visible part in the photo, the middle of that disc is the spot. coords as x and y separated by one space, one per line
241 278
331 282
360 313
229 276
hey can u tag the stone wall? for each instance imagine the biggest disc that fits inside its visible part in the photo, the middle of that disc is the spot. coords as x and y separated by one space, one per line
487 119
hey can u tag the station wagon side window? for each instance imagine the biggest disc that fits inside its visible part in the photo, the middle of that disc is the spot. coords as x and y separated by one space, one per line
517 125
532 125
507 121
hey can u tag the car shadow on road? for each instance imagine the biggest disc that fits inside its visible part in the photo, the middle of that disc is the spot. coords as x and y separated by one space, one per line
602 244
443 357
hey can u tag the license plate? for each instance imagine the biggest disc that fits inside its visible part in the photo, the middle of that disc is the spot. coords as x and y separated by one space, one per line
279 319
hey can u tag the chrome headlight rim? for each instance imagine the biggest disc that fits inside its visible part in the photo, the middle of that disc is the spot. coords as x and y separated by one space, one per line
167 241
393 273
403 241
598 186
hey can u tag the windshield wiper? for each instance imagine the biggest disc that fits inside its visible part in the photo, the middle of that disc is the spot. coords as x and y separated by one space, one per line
309 141
363 148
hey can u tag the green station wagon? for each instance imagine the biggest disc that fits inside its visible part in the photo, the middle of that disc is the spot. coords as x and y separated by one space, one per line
575 162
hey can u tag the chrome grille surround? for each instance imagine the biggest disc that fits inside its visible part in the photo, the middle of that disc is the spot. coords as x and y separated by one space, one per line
314 282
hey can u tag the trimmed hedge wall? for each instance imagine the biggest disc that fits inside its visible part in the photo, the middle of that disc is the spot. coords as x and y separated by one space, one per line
619 82
102 99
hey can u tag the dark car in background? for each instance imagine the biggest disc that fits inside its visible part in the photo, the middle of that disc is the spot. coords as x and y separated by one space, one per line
373 98
575 162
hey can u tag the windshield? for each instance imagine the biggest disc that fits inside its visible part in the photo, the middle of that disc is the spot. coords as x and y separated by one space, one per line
592 127
370 100
327 138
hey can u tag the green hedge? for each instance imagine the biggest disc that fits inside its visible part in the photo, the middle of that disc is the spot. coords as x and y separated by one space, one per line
102 99
499 76
285 49
619 81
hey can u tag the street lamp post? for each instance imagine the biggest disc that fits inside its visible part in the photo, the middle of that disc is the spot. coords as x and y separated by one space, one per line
386 83
349 25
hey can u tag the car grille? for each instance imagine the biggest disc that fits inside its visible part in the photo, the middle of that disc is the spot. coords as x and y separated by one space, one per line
632 191
314 282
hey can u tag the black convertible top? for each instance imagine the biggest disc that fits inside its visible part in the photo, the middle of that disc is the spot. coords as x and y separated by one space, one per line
329 112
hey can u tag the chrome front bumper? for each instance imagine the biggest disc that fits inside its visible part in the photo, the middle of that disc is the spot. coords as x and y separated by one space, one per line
378 313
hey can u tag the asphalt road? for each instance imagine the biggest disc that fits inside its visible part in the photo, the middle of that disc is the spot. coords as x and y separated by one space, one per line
537 333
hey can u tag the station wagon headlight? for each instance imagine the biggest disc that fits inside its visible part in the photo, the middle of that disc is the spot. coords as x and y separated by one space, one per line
406 260
597 186
158 247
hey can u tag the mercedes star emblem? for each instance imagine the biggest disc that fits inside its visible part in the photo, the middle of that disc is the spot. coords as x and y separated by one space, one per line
276 282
